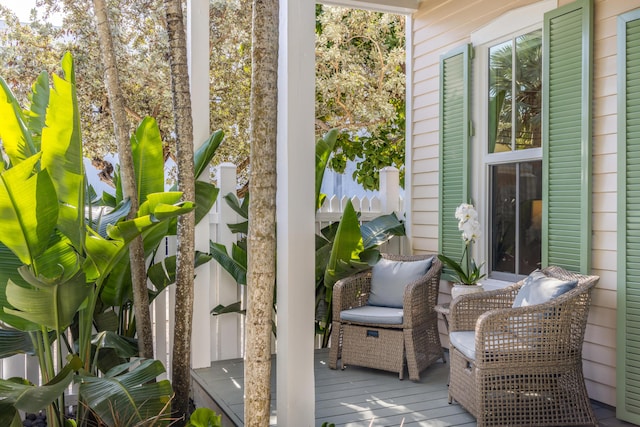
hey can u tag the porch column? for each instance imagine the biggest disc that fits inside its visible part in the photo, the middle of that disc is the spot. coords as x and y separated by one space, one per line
296 214
198 57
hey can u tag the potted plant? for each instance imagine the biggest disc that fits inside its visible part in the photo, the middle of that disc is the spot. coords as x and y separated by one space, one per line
465 274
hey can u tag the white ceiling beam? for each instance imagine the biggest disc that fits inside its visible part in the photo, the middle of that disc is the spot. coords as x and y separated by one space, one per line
390 6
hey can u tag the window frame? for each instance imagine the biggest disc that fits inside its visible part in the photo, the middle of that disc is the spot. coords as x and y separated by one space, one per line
510 25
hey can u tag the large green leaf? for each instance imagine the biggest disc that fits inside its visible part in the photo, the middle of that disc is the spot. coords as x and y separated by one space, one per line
163 274
324 148
235 265
29 398
205 153
110 216
127 230
16 140
206 195
345 250
380 230
148 159
62 153
36 116
59 258
14 342
28 209
9 416
129 389
49 302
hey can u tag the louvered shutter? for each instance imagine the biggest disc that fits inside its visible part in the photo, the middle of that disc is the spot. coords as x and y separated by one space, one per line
628 363
454 146
567 47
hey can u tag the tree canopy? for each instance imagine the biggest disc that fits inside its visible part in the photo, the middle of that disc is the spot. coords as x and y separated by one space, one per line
360 76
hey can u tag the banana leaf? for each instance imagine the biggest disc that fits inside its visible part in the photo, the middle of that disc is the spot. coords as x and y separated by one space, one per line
26 226
235 265
324 148
148 159
26 397
51 303
128 390
16 139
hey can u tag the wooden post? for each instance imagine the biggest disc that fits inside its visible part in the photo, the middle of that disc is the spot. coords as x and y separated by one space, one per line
390 189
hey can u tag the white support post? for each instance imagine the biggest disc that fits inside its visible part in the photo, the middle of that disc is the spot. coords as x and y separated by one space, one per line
198 57
296 215
226 342
390 189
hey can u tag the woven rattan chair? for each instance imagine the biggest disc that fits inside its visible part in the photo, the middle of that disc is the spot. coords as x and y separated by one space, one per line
415 339
523 365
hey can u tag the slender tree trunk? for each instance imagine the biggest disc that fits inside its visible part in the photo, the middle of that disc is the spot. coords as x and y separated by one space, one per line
261 272
127 177
181 372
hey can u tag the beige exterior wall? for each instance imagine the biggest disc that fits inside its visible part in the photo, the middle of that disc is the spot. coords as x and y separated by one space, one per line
440 26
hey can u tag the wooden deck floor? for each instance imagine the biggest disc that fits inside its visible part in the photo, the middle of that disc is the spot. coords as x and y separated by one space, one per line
353 397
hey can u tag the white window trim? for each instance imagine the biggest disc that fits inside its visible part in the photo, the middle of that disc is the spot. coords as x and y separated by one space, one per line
516 22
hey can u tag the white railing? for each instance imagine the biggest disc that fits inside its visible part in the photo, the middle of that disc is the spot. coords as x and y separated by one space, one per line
226 331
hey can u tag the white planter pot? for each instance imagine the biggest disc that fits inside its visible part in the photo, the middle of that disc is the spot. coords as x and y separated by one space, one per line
458 290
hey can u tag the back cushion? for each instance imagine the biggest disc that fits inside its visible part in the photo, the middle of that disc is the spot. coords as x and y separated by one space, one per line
389 278
539 288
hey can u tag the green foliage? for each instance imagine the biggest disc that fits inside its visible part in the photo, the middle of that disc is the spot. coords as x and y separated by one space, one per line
204 417
360 89
342 249
55 264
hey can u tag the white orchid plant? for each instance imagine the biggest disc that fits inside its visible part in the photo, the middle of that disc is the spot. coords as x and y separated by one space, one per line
465 272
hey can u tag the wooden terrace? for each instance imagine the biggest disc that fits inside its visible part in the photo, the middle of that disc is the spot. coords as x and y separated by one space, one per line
353 397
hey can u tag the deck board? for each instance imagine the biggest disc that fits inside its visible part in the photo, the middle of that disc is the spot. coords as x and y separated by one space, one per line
352 397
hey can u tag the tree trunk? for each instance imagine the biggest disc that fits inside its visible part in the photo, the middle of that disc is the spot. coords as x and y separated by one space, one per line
261 272
127 177
181 372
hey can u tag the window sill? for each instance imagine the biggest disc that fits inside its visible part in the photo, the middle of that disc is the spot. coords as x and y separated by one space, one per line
490 284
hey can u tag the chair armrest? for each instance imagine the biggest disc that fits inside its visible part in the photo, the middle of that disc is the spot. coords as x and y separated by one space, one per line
420 297
552 332
351 292
466 309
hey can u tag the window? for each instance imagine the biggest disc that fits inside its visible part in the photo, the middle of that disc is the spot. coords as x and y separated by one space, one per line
527 166
513 141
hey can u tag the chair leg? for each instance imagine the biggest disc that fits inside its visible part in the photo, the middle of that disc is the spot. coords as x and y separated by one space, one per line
336 344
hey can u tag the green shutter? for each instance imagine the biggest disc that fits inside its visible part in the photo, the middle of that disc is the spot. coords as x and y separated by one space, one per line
567 136
454 146
628 354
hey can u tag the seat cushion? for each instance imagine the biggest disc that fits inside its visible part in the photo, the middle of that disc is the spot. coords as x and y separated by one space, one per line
373 314
539 288
389 278
465 342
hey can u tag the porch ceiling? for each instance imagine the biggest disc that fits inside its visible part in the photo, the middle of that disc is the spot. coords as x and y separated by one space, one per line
392 6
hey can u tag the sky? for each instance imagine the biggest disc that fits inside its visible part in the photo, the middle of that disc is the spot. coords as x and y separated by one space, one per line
22 9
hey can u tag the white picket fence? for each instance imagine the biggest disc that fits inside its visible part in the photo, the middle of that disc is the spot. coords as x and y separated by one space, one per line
227 331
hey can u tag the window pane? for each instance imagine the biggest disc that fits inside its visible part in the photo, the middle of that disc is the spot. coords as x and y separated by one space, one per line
516 217
530 183
503 218
500 97
528 91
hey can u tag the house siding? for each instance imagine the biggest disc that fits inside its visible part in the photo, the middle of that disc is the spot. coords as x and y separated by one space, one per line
438 27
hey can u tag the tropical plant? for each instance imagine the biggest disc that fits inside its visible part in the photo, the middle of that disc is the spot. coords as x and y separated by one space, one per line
204 417
54 262
465 272
342 248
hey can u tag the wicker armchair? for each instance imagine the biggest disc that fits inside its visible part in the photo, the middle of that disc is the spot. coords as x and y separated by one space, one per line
526 366
386 346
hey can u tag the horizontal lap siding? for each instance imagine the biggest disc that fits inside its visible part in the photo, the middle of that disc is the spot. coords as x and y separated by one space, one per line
441 26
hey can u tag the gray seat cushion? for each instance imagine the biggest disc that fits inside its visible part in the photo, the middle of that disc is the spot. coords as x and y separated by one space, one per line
389 278
539 288
373 314
465 342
